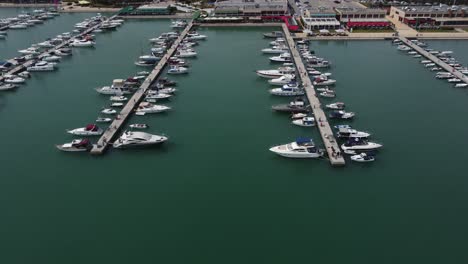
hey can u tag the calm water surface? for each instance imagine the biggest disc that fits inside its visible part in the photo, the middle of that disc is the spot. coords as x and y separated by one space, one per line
214 193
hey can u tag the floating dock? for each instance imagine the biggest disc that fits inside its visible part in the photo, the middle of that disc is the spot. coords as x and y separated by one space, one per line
321 118
436 60
22 66
102 144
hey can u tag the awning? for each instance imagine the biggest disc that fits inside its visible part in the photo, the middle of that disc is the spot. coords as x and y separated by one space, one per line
368 24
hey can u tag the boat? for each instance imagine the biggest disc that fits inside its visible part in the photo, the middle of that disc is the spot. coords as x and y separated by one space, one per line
284 57
183 53
417 56
323 82
7 86
351 133
166 90
145 63
429 65
51 58
30 51
274 34
412 52
358 144
426 61
89 130
285 79
108 111
336 106
13 79
117 88
298 115
275 50
143 73
307 121
461 85
272 74
164 81
103 120
195 36
118 98
63 52
24 74
328 94
340 114
295 106
342 126
149 108
82 43
77 145
139 126
118 104
301 148
178 24
454 80
41 66
177 70
45 44
158 96
288 90
137 138
403 48
363 157
18 26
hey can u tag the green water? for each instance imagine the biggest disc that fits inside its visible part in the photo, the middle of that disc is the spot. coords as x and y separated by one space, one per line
214 194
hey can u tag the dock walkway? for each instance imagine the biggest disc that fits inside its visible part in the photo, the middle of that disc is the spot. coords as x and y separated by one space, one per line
436 60
22 66
102 144
324 127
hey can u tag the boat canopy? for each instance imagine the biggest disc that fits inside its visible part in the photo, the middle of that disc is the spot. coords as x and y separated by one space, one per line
91 127
304 140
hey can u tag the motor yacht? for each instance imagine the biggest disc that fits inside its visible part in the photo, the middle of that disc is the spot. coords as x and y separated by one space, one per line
117 88
177 70
358 144
351 133
336 106
301 148
284 57
82 43
274 34
103 120
77 145
295 106
340 114
139 126
461 85
109 111
307 121
7 86
13 79
137 138
41 66
285 79
276 50
328 94
149 108
89 130
363 157
276 73
118 98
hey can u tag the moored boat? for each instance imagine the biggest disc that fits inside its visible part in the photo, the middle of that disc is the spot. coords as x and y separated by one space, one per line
301 148
77 145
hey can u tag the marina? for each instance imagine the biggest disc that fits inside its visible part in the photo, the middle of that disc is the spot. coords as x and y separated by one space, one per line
214 183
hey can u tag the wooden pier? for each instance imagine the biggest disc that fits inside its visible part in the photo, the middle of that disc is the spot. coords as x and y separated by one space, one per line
22 66
102 144
320 117
436 60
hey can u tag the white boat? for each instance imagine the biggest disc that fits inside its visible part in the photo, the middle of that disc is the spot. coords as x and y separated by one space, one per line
150 108
344 132
298 115
288 90
323 82
328 94
454 80
45 44
89 130
276 73
82 43
158 96
77 145
461 85
340 114
359 144
426 61
412 52
285 79
118 98
41 66
18 26
13 79
301 148
7 86
403 48
195 36
137 138
139 126
284 57
428 65
109 111
275 50
363 157
417 56
166 90
117 88
51 58
117 104
103 120
29 51
177 70
185 53
336 106
24 74
307 121
179 24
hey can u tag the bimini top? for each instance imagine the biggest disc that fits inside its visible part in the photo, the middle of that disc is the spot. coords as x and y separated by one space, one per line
303 141
91 127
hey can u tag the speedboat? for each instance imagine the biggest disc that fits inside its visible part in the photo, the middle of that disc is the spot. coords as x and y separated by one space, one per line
24 74
166 90
301 148
275 73
82 43
117 88
285 79
274 34
77 145
137 138
294 106
7 86
275 50
403 48
139 126
328 94
351 133
117 104
336 106
454 80
307 121
149 108
89 130
145 63
18 26
177 70
425 61
41 66
359 144
158 96
340 114
284 57
109 111
461 85
287 90
363 157
13 79
103 120
118 98
298 115
342 126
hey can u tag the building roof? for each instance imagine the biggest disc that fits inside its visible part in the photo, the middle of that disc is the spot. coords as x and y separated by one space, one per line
431 9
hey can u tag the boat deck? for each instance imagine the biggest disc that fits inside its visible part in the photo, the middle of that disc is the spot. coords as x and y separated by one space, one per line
436 60
325 130
22 66
102 144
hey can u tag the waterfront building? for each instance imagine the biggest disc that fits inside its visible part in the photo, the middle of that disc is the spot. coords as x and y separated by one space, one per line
431 16
363 17
251 8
